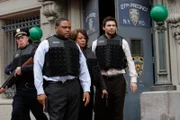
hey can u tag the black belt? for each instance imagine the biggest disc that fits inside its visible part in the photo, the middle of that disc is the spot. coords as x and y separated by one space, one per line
26 85
60 82
112 76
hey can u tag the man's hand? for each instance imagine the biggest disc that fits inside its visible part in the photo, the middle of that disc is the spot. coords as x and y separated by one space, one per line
133 87
86 98
41 98
17 71
2 90
104 92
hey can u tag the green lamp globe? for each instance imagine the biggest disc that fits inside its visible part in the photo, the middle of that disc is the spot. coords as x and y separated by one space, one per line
159 13
35 33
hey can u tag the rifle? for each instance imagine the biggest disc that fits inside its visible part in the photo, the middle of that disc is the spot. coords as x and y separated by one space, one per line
11 79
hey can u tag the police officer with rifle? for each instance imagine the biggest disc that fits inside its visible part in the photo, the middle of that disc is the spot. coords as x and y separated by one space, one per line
21 74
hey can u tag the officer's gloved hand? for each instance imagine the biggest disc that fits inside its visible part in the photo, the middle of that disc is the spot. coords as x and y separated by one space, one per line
18 71
2 89
7 71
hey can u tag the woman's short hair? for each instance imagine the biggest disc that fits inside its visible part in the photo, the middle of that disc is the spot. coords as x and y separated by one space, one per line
75 32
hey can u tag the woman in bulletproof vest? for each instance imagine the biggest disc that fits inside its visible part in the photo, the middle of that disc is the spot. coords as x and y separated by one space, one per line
81 38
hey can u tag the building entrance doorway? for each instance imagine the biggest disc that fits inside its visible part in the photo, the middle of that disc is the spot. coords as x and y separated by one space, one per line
134 25
106 8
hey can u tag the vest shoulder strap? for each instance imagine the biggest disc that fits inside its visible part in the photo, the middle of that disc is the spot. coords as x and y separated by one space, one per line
102 37
54 41
117 37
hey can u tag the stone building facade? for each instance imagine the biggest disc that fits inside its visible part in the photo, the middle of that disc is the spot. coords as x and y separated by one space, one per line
27 13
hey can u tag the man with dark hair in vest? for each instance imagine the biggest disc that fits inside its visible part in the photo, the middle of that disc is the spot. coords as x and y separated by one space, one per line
113 54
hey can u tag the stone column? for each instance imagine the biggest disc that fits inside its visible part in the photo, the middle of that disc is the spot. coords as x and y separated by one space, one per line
2 54
163 105
50 11
5 104
74 14
174 39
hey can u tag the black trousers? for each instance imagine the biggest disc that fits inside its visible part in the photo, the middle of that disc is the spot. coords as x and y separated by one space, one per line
63 100
25 100
116 87
86 112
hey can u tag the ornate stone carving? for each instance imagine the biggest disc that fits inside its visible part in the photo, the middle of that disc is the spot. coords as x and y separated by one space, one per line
176 31
50 0
174 11
160 26
174 18
45 0
2 1
52 9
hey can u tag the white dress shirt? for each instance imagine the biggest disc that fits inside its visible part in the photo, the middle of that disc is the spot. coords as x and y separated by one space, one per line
39 58
131 66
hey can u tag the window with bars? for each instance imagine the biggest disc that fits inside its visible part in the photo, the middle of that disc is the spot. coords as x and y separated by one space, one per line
10 43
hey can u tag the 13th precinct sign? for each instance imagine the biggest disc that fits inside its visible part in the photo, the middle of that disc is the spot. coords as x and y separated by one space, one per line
134 14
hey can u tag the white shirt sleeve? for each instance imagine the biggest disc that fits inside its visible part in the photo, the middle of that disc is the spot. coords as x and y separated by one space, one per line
38 65
131 65
84 76
94 44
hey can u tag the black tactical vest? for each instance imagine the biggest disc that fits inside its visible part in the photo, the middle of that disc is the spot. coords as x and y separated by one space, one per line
62 58
92 64
110 53
21 56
